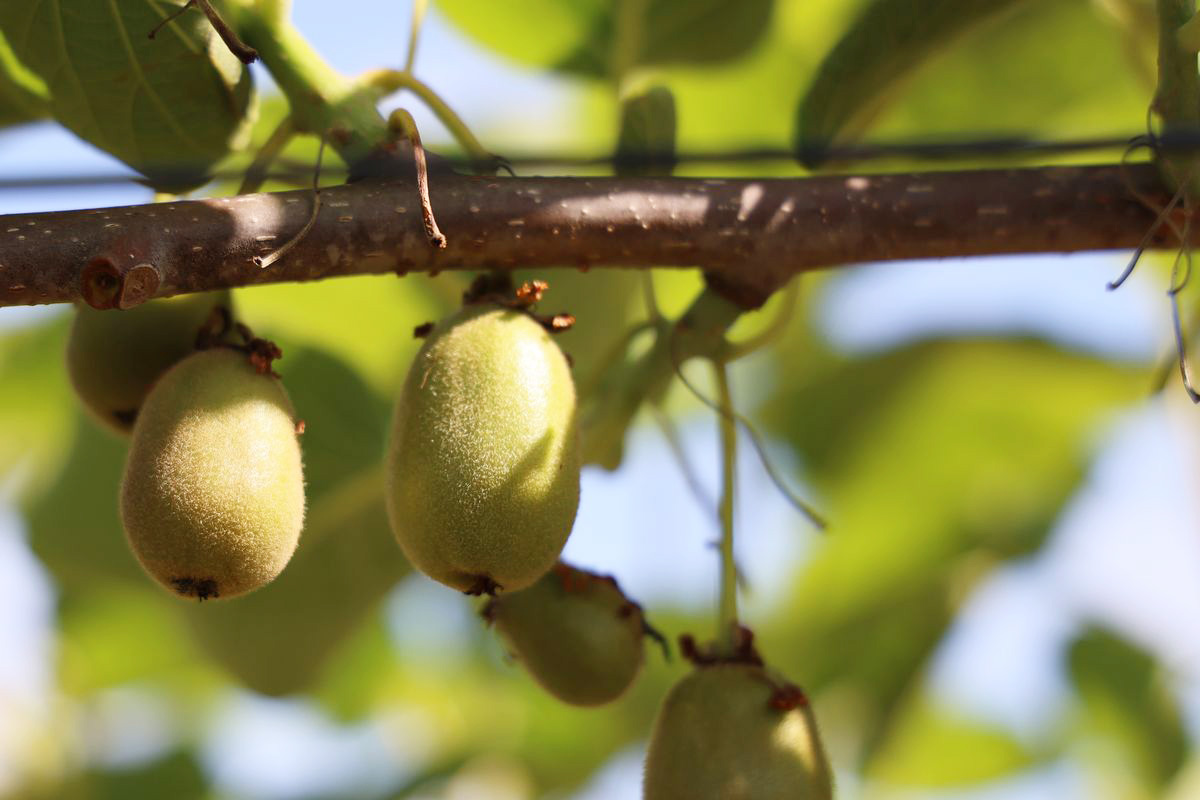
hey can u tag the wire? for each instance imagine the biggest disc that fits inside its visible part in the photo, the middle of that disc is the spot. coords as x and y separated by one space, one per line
1179 142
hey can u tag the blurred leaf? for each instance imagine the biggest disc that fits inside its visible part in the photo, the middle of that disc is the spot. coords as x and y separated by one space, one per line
23 95
604 304
170 107
35 405
647 133
578 36
111 635
1124 698
929 465
1036 72
351 683
177 776
278 639
1033 72
869 64
367 321
75 527
931 747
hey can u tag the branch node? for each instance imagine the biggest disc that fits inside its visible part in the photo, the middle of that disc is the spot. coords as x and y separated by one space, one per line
105 285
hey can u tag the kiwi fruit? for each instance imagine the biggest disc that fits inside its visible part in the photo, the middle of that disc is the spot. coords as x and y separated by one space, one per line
483 463
213 494
114 356
736 731
576 633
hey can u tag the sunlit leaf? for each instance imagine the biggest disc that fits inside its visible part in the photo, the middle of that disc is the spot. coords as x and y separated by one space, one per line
579 36
934 748
865 69
170 107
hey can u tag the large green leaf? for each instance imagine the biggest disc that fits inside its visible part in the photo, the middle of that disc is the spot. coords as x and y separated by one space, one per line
1124 698
869 64
580 36
170 107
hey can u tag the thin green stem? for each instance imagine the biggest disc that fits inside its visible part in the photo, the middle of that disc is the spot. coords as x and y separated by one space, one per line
727 614
256 173
387 81
322 101
414 33
627 43
649 298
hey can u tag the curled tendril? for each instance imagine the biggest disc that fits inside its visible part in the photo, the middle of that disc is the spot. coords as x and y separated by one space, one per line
756 440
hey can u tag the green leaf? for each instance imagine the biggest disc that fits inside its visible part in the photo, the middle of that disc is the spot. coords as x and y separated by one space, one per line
579 36
36 405
931 471
864 71
75 526
935 748
177 776
111 635
23 95
1124 698
170 107
646 143
278 639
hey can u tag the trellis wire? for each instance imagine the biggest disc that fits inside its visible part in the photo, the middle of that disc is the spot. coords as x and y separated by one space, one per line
830 155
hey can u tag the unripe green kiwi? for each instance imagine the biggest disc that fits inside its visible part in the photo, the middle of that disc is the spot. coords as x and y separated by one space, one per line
213 494
734 731
114 356
578 635
483 465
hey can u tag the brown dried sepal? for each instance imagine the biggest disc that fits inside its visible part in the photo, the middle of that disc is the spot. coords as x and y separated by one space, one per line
484 585
706 655
496 288
787 696
200 588
423 330
261 353
530 293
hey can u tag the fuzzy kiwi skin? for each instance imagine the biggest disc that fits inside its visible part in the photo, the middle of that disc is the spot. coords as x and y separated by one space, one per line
213 494
483 463
736 732
576 633
114 356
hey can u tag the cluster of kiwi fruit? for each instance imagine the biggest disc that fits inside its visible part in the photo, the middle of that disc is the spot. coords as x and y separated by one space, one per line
482 488
212 499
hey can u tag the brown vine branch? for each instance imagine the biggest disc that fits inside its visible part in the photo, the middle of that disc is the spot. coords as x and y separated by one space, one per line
749 235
